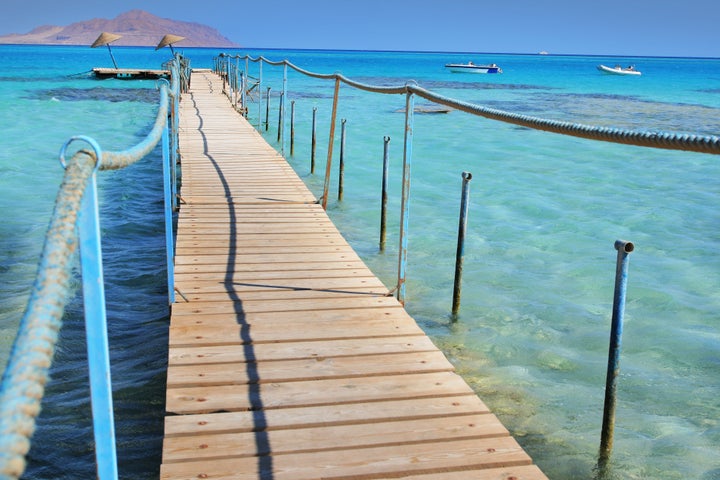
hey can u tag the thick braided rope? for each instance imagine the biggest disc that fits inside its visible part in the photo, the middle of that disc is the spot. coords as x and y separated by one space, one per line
24 379
26 374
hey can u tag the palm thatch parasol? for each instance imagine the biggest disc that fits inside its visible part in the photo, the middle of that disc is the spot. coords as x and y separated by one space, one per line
106 38
168 40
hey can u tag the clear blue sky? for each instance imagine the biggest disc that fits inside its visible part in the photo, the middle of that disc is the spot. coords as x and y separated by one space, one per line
607 27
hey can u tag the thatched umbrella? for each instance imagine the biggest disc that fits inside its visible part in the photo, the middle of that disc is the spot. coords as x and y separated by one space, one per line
168 40
106 38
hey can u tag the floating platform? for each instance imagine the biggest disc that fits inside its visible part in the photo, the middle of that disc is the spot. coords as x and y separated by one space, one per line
130 73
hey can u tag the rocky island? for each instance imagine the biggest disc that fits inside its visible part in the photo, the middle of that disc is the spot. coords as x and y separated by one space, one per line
136 28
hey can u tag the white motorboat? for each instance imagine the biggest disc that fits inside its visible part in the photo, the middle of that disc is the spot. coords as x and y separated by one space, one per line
618 70
470 67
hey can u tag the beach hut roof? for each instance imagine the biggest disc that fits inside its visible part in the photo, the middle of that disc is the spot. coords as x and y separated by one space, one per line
104 39
168 39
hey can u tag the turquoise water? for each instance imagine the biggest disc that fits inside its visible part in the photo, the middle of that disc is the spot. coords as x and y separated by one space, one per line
545 210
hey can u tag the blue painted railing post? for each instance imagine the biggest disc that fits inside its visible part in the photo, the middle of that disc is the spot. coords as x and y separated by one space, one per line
259 87
236 82
613 370
96 322
175 128
282 111
292 128
169 248
405 205
245 87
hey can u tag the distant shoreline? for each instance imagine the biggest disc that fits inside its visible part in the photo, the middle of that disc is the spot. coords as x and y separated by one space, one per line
180 46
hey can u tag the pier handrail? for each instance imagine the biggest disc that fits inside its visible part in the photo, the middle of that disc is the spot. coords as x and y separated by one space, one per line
654 139
663 140
26 373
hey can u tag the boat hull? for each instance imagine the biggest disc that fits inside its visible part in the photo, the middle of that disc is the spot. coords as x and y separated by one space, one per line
465 68
618 70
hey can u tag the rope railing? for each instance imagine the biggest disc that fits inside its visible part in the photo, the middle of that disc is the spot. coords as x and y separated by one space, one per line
26 373
653 139
663 140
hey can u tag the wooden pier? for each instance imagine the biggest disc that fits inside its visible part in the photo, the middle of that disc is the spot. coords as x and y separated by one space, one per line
288 359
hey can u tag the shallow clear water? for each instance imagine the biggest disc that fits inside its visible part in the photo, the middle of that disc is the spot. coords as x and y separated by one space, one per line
532 334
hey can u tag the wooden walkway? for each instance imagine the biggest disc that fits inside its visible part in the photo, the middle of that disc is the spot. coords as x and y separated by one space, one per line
287 358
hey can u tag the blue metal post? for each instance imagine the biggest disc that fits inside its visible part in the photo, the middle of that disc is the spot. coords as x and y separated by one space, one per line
244 88
260 94
282 111
175 129
613 370
460 254
169 248
96 325
292 128
384 194
405 206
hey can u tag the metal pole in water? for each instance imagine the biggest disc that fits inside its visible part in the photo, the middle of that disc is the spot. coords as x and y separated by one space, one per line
328 166
267 109
313 141
280 118
168 195
405 206
236 81
282 111
259 87
606 442
98 347
292 128
462 227
244 90
341 179
384 195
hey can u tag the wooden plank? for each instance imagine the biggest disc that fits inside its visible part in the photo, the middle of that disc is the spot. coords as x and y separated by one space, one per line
238 269
317 368
334 437
228 398
341 414
198 330
262 352
290 305
433 457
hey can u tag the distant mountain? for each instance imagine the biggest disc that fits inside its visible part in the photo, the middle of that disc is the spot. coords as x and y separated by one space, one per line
137 28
